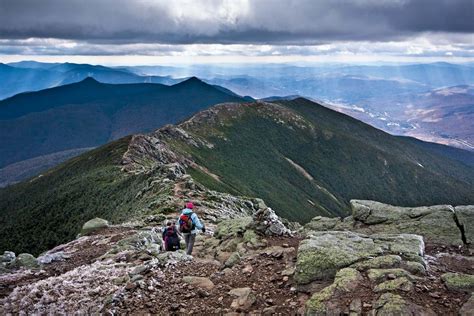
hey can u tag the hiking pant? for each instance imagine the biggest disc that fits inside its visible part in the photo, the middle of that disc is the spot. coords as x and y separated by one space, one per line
189 240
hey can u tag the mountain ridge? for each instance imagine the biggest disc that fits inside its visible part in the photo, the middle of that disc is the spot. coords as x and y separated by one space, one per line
90 113
301 158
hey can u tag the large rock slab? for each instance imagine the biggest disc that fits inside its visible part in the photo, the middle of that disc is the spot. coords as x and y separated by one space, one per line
435 223
322 254
465 217
459 281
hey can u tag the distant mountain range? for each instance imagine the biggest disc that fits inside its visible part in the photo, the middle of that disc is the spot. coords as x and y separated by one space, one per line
302 158
33 76
89 114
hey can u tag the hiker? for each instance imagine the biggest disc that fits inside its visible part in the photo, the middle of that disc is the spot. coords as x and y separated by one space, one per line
170 237
189 224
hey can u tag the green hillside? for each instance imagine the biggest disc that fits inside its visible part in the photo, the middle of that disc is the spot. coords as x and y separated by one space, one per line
90 114
305 160
301 158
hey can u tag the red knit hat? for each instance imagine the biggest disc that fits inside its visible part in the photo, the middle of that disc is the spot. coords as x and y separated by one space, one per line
190 205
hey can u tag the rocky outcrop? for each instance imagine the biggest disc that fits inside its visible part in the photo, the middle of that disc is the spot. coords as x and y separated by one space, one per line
440 224
435 223
322 254
385 244
345 281
266 222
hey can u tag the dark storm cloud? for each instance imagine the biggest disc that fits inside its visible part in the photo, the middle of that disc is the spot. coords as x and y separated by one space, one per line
232 21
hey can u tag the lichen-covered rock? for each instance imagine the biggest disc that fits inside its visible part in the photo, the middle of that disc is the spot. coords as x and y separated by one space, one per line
93 225
377 275
231 228
388 261
408 246
465 217
147 241
390 304
414 267
320 223
25 260
345 281
398 284
321 254
435 223
232 260
459 281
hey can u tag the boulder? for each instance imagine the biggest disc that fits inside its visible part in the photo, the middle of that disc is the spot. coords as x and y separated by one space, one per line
398 284
321 254
320 223
408 246
231 228
459 281
345 281
244 299
394 304
465 217
435 223
200 282
93 225
415 267
7 257
232 260
25 260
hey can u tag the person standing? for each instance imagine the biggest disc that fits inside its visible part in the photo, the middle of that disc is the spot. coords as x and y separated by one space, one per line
189 224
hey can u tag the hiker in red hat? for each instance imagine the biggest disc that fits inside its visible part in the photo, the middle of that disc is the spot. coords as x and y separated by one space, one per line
189 224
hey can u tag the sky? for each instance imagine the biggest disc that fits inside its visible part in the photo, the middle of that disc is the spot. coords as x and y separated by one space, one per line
201 31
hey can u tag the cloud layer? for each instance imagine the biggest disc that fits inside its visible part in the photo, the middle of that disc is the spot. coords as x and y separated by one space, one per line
168 27
231 21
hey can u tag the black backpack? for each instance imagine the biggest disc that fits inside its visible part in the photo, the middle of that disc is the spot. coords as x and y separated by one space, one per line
171 239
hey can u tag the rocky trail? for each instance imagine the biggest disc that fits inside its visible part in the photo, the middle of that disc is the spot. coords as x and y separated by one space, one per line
247 265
